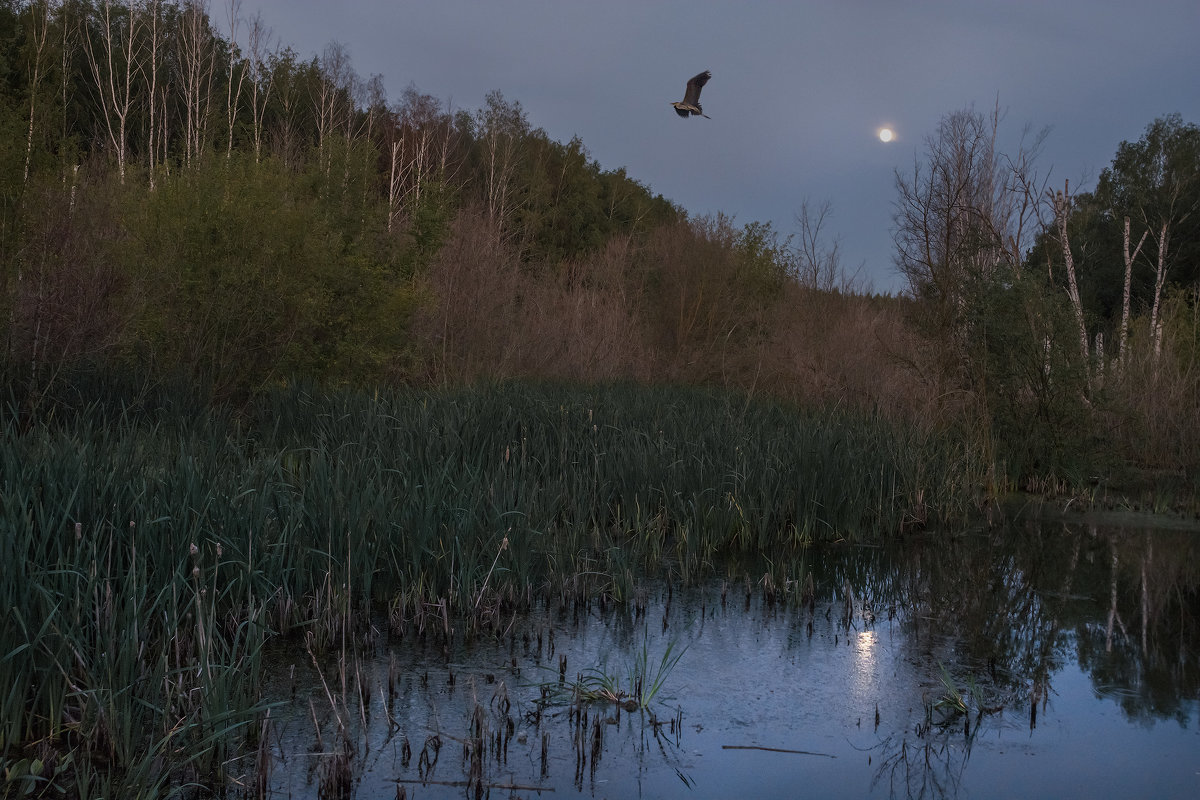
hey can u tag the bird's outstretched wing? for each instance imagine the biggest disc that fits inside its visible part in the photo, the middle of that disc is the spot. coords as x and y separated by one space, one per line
692 96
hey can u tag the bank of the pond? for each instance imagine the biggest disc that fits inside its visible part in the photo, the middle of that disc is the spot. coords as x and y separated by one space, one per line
153 549
1109 510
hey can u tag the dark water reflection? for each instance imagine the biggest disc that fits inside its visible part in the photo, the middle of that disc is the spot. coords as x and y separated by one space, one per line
1075 649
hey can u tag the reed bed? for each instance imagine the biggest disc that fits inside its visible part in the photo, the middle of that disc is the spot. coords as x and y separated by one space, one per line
151 551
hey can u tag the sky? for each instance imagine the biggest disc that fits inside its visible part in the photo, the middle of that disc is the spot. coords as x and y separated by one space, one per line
799 90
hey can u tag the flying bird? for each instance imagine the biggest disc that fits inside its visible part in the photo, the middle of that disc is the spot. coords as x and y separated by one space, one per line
691 98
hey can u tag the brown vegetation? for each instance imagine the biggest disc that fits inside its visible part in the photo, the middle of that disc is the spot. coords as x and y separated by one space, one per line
674 307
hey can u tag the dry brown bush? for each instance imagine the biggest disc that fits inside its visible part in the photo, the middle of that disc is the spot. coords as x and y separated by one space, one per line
711 311
856 351
493 317
68 303
1154 403
583 321
675 308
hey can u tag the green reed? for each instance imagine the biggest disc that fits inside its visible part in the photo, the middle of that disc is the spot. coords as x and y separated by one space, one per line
150 551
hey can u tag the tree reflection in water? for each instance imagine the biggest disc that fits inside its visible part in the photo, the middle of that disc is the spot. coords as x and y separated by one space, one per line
1005 610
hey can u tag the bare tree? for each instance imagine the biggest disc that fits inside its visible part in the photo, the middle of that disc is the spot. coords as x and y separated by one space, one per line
502 124
233 89
261 78
942 207
110 48
816 263
197 63
966 209
153 9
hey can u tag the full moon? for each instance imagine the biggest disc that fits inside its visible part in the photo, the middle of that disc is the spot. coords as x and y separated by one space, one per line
885 134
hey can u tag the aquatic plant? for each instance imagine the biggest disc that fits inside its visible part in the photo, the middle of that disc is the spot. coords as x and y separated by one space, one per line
648 681
644 680
952 699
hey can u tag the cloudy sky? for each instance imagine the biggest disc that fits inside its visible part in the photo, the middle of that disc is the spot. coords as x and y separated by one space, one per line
799 89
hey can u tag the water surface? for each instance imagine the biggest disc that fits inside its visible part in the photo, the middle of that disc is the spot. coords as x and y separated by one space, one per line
1074 649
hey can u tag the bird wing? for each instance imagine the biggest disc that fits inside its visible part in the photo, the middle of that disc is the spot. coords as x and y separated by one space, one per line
692 96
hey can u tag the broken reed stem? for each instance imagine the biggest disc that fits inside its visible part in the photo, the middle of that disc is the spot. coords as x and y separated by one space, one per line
328 694
496 560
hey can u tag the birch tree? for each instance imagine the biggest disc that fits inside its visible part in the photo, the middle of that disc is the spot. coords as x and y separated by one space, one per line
287 76
67 47
110 47
502 125
1062 210
411 151
1156 180
258 40
237 74
331 93
40 13
196 54
154 12
1123 335
1160 278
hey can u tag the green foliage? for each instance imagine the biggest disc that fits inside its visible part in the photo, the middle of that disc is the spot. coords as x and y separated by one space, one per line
248 281
317 256
429 226
1025 368
762 260
281 262
1153 181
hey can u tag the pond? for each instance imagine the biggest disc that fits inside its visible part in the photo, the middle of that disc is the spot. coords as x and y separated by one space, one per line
1034 659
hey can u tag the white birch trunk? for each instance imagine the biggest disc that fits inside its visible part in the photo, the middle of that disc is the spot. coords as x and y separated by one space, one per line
1062 207
261 80
1160 277
233 93
40 17
152 150
1129 259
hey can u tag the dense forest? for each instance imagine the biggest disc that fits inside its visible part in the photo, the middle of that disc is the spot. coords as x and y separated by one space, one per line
194 203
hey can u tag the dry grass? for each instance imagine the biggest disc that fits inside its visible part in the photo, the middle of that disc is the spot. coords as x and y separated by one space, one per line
1153 403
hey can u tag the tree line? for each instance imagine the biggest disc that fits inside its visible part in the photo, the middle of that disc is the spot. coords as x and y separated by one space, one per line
1070 319
183 198
187 197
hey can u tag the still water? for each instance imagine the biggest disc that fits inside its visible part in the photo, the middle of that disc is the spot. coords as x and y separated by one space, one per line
1031 660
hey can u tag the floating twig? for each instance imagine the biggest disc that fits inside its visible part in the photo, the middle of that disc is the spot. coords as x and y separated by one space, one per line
774 750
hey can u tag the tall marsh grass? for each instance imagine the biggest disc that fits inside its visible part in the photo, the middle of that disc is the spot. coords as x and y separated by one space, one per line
149 553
